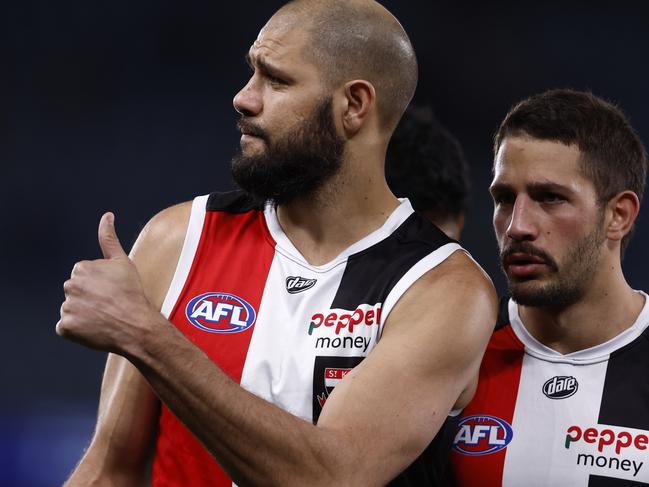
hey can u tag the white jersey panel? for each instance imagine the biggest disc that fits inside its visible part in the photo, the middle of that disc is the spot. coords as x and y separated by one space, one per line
537 457
192 238
281 354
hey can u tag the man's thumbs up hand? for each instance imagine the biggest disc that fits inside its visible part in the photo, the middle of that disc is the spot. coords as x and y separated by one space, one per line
108 241
105 306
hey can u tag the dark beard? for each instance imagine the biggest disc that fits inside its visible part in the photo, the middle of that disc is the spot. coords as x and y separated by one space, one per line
571 280
295 165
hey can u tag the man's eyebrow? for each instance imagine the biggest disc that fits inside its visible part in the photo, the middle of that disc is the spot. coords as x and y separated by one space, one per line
547 187
497 188
538 187
266 68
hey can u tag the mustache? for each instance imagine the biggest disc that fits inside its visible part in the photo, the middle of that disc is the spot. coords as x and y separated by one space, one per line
245 125
529 249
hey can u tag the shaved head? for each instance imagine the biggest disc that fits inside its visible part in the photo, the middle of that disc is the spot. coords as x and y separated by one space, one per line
359 39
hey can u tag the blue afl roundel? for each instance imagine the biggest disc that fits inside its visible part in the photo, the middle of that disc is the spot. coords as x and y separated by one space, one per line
482 435
220 313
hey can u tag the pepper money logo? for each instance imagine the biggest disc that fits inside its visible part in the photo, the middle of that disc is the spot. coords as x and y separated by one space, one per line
482 435
220 313
611 449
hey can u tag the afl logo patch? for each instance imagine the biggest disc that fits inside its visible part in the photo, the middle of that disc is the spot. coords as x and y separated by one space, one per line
220 313
482 435
560 387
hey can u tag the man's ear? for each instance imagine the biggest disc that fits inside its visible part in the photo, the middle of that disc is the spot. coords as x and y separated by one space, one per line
622 211
360 100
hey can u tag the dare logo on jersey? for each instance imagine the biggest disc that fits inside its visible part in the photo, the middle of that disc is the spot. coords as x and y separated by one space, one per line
297 284
560 387
220 313
481 435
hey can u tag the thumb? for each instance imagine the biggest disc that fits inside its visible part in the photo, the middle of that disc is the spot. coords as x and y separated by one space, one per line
108 241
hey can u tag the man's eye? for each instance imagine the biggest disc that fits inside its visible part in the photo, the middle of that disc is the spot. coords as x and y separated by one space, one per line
552 198
503 199
276 81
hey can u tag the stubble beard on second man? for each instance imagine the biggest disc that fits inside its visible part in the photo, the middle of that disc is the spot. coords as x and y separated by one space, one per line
569 280
295 165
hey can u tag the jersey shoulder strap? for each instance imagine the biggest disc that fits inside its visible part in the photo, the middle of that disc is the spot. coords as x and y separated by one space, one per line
232 202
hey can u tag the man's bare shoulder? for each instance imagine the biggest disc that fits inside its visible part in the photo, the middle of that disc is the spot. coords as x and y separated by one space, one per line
166 230
460 274
457 286
460 268
157 249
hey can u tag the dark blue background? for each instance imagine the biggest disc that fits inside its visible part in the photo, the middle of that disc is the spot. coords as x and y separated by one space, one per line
126 106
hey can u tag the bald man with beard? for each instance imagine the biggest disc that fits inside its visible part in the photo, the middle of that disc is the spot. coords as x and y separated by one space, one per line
310 329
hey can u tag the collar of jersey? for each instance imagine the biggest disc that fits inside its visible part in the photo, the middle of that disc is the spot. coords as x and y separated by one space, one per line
598 353
286 247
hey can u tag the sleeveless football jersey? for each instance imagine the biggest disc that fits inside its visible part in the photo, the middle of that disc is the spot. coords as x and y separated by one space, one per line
283 329
540 418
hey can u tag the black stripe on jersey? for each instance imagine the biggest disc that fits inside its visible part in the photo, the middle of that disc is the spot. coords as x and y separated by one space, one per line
371 274
369 277
627 378
232 202
599 481
431 469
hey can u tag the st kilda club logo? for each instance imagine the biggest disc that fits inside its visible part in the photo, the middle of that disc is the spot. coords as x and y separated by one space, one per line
560 387
220 313
297 284
327 374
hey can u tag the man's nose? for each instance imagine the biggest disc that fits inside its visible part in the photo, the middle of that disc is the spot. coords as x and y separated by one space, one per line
522 224
248 101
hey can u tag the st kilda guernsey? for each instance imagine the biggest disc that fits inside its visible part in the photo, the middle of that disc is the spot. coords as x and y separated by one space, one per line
286 330
540 418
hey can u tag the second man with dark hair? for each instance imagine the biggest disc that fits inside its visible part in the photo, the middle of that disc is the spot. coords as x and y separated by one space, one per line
563 396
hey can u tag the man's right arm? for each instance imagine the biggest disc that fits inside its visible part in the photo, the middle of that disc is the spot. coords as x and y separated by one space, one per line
128 409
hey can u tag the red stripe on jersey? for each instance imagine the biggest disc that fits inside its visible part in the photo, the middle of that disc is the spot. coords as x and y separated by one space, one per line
234 256
496 396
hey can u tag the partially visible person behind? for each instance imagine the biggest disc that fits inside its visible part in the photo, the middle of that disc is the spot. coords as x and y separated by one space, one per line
426 164
563 395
